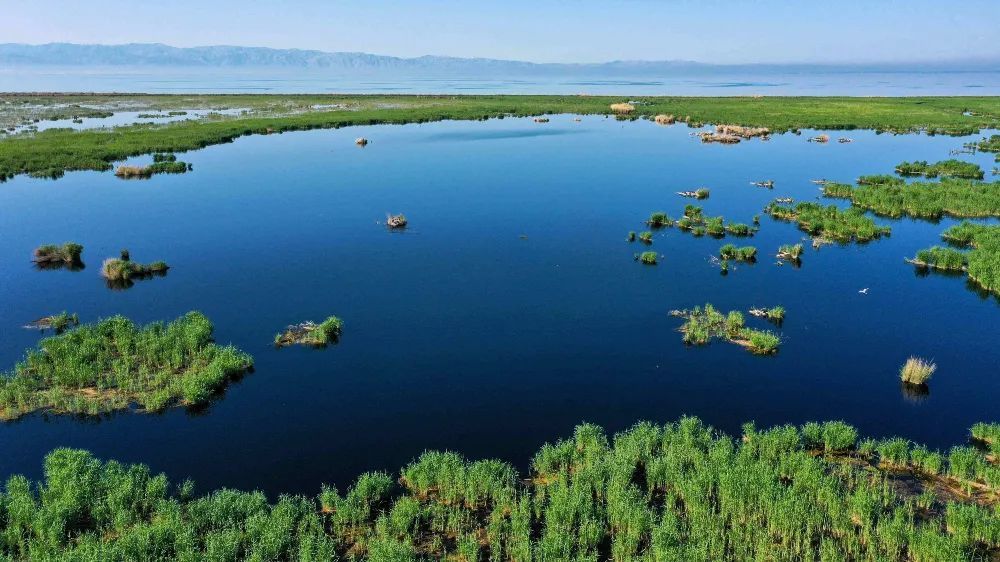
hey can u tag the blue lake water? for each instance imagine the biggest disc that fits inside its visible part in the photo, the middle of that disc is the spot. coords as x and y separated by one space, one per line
510 310
702 81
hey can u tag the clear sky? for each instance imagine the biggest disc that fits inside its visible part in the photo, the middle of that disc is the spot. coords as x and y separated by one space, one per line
721 31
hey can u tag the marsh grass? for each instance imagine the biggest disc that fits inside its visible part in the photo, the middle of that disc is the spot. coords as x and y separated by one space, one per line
938 257
953 197
311 334
790 252
829 222
58 323
703 324
646 237
981 261
121 273
917 371
648 258
745 254
52 256
111 364
945 168
675 491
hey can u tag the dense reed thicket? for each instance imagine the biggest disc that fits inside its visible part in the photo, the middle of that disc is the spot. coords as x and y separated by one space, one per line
67 254
114 363
929 200
983 258
51 152
679 491
829 222
945 168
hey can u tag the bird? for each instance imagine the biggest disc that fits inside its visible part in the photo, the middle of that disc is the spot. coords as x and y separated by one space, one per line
864 291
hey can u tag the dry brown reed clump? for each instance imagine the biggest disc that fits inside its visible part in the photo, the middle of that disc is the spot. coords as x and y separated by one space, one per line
820 138
622 108
917 371
718 137
741 131
395 221
665 119
541 119
133 172
361 141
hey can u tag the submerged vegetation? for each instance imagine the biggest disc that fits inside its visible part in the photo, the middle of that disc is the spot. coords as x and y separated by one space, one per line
678 491
109 365
310 333
945 168
51 255
829 222
51 152
702 325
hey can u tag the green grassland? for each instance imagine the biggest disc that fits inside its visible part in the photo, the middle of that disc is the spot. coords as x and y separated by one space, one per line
679 491
51 152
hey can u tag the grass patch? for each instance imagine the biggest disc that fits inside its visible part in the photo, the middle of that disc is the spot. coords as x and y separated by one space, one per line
58 323
945 168
49 153
122 272
790 252
938 257
648 258
646 237
702 325
52 255
109 365
829 222
745 254
676 491
926 200
981 261
917 371
310 333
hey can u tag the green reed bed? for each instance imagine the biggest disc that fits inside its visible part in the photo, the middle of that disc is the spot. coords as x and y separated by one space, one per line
648 258
745 254
51 152
122 271
939 257
677 491
52 255
981 261
987 434
109 365
829 222
311 334
646 237
790 252
702 325
987 144
945 168
927 200
697 223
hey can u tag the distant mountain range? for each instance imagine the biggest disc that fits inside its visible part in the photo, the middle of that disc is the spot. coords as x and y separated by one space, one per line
155 54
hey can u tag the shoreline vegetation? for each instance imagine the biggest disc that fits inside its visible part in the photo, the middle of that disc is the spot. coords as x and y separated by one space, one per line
677 491
115 364
50 153
980 261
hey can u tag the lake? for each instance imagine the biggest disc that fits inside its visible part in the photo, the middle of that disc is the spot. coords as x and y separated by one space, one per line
723 81
510 310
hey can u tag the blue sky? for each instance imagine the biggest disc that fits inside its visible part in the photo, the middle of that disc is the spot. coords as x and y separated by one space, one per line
722 31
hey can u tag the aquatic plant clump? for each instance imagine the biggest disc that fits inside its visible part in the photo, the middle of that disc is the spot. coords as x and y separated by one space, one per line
945 168
939 257
790 252
310 333
927 200
745 254
917 371
676 491
106 366
829 222
123 270
50 254
648 258
702 325
56 322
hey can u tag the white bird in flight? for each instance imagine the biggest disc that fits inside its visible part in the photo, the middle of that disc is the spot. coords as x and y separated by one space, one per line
864 291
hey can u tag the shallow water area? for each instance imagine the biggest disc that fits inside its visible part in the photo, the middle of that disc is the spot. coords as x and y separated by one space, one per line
509 310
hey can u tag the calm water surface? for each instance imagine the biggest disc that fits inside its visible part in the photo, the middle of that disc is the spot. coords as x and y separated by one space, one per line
463 334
